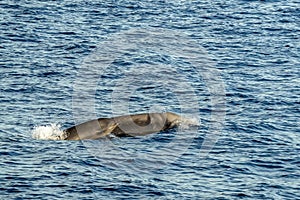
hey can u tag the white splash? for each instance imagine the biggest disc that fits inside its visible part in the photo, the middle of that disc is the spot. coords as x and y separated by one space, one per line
48 132
185 123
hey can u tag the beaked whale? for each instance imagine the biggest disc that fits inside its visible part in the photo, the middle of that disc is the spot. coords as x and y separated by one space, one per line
128 125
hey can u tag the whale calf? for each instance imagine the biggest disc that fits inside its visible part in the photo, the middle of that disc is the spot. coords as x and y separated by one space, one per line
127 125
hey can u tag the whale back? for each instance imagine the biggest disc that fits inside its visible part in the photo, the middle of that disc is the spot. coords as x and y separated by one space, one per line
86 130
128 125
143 124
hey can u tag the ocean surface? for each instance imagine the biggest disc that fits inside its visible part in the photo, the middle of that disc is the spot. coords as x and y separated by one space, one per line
231 66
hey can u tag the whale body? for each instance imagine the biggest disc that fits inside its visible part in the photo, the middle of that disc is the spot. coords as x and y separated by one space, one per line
127 125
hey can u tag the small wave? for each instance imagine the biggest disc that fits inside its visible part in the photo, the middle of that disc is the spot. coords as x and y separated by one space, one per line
48 132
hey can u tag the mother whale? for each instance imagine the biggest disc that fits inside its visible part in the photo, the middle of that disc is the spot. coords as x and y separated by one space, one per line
128 125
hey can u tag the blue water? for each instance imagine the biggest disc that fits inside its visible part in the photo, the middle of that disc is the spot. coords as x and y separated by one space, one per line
231 65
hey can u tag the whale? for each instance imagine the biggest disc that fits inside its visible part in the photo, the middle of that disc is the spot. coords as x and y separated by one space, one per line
121 126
